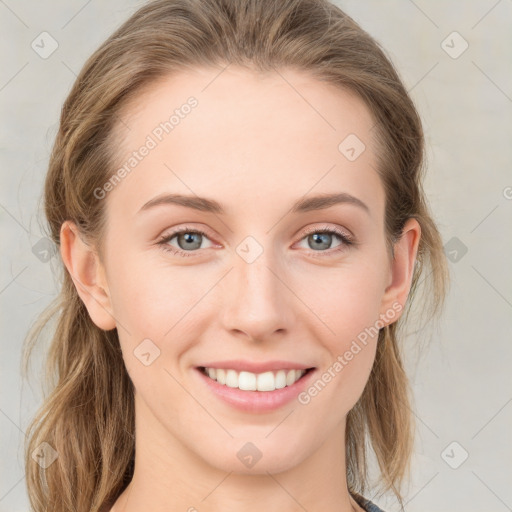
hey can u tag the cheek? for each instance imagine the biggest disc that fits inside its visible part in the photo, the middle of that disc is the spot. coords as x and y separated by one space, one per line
150 296
338 387
344 373
150 303
346 299
348 305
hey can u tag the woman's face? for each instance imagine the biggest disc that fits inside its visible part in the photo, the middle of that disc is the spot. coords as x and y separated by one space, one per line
263 286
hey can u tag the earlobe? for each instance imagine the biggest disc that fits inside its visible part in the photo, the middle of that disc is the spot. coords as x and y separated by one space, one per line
86 271
402 267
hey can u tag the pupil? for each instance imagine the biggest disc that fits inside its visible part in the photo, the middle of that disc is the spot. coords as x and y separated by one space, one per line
189 238
320 238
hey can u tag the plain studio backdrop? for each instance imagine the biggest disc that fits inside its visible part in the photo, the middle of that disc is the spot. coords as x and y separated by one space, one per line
456 60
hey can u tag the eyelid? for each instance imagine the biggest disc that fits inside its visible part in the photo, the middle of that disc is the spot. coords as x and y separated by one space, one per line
312 229
328 227
186 227
347 239
165 237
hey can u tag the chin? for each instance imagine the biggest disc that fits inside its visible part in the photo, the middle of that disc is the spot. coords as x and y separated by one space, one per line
255 457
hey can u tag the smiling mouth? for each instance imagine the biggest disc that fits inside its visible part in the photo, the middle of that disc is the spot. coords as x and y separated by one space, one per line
248 381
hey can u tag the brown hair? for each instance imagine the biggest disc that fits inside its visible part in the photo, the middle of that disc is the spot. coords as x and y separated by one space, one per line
88 415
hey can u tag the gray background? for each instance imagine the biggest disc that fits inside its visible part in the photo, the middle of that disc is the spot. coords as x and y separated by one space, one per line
461 380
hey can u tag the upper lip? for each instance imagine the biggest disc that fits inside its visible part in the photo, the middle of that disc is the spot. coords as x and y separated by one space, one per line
240 365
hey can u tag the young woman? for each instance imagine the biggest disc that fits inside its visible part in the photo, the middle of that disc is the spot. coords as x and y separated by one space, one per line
236 193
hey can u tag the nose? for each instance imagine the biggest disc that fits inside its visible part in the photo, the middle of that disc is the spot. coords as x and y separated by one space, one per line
257 301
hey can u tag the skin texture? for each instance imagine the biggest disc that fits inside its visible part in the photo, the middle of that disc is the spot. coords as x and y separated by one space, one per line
256 144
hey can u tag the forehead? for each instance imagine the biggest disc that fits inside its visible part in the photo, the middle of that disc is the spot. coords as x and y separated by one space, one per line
272 97
249 136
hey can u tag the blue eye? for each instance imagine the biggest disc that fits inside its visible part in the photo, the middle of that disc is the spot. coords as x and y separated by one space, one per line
191 237
320 237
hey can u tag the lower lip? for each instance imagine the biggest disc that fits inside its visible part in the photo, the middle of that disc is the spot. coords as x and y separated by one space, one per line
256 401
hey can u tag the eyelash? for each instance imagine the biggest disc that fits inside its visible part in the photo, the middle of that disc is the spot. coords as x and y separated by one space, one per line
347 241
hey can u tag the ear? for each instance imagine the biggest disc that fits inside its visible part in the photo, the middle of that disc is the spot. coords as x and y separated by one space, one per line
402 267
87 273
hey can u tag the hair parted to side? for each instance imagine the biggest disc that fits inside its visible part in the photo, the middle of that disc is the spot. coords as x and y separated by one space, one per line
88 415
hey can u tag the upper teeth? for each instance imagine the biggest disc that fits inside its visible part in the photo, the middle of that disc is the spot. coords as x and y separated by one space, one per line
248 381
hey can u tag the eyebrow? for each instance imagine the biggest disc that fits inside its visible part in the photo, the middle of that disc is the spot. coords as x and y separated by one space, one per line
303 205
